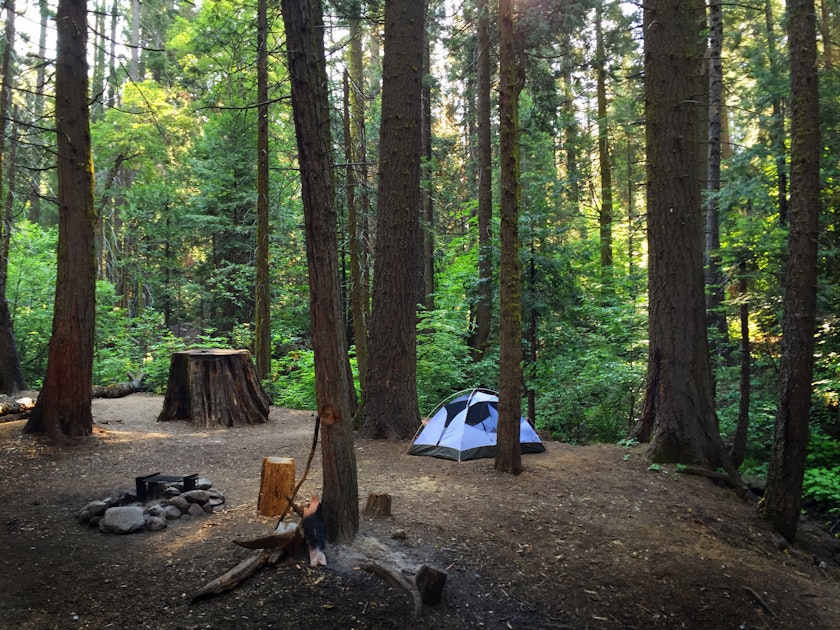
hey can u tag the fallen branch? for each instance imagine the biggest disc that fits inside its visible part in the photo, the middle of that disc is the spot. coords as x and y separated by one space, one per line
397 581
761 601
293 540
20 407
118 390
424 587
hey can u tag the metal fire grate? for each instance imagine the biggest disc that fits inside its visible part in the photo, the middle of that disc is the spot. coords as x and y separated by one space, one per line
150 486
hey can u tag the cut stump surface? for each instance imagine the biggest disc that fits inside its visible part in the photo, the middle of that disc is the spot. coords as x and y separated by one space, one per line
214 388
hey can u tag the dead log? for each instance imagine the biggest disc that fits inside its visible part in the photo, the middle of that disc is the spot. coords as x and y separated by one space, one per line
17 406
214 388
118 390
378 505
397 581
424 587
292 542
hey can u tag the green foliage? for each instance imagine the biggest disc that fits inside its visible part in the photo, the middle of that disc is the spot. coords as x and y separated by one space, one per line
821 484
589 384
30 293
292 382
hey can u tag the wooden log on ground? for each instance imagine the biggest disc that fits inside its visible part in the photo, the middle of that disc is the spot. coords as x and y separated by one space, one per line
16 406
292 541
214 388
277 484
378 505
424 587
118 390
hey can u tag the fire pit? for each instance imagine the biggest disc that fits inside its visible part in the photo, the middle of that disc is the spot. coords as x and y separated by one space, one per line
152 486
155 500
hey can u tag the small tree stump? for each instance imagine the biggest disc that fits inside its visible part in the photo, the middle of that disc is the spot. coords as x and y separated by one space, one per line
214 388
378 505
277 483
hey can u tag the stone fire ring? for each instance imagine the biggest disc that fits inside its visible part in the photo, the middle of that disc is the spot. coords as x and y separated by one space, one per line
122 513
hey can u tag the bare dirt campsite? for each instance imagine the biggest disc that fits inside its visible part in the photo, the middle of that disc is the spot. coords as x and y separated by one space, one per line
586 537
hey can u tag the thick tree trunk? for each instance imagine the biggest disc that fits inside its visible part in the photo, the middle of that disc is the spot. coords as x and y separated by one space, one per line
63 408
679 406
714 277
391 408
357 205
508 452
262 318
790 440
333 383
484 299
214 388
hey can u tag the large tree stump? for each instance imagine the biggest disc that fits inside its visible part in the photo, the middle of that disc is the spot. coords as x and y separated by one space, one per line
214 388
277 483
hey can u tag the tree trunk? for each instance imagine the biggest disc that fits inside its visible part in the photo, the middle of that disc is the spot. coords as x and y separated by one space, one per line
214 388
427 212
358 206
304 26
262 317
605 215
63 407
714 277
484 299
508 453
11 374
739 446
679 406
391 409
790 440
777 131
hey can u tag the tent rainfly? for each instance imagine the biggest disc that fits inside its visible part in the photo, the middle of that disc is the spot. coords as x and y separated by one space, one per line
464 427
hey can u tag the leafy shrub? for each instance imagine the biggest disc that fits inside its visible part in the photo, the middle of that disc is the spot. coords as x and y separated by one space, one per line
821 484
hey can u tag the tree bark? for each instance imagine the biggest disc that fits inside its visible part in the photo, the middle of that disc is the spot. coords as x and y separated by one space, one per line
508 452
790 440
11 373
63 407
714 277
262 317
391 408
484 299
358 206
304 26
214 388
605 214
679 405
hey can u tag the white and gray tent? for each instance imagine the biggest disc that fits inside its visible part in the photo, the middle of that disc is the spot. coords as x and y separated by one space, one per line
464 427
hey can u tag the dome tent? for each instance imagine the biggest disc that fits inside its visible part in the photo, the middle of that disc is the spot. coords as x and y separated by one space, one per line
464 427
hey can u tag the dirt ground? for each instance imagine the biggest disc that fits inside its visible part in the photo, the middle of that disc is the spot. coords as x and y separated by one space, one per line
586 537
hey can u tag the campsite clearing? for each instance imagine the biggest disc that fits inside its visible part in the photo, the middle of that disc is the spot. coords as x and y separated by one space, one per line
586 537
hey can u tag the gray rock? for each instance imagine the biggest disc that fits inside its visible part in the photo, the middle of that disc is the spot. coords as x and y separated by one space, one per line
171 491
196 510
96 508
208 509
214 502
123 520
155 523
181 503
196 496
156 511
203 484
172 512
